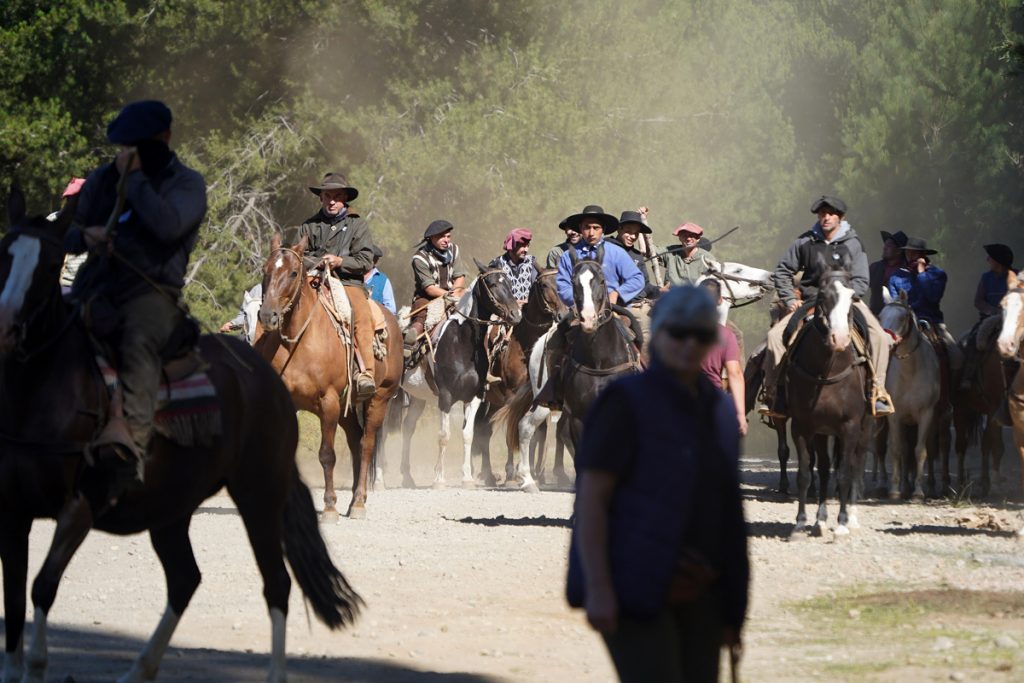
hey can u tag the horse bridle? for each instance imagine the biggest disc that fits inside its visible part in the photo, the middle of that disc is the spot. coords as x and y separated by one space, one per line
482 279
21 327
545 308
911 328
606 313
299 281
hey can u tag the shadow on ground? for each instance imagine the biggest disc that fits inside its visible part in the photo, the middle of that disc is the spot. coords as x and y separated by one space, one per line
944 530
94 656
502 520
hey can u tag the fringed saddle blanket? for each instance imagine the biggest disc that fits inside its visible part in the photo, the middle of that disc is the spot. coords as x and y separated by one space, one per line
188 410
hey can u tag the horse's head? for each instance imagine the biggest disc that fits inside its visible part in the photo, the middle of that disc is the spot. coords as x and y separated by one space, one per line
1013 317
544 297
590 294
284 276
835 303
493 295
897 318
31 257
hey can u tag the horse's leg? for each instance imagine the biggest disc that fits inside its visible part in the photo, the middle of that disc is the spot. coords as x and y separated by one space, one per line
261 504
539 450
73 525
820 445
562 442
444 433
850 451
529 427
803 478
376 412
330 413
355 438
482 430
14 557
783 453
924 433
412 415
896 453
468 426
986 452
961 426
174 550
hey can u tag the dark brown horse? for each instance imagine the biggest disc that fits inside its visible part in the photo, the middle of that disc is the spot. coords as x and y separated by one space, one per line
301 342
825 383
53 402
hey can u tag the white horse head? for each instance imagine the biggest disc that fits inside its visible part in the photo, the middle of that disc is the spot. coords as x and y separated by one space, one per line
1013 318
740 283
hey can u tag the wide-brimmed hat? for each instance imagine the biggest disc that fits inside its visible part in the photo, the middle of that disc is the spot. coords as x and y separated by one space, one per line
634 217
692 228
827 200
592 212
335 181
918 244
899 237
139 121
1001 254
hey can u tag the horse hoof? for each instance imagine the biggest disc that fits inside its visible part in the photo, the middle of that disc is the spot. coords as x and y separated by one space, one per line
841 530
490 482
469 484
357 512
329 516
438 486
853 523
917 498
817 530
408 483
379 486
798 531
894 496
531 488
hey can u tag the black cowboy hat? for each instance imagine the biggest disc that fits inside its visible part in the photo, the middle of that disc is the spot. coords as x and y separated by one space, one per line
593 212
826 200
335 181
899 237
635 217
1001 254
918 244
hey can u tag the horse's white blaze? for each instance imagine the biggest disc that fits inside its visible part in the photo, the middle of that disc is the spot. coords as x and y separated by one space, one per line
279 262
839 317
588 312
148 663
1008 340
24 252
37 652
278 629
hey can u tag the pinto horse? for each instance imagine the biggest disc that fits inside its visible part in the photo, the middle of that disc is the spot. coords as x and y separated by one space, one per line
1009 344
826 384
53 403
457 372
302 343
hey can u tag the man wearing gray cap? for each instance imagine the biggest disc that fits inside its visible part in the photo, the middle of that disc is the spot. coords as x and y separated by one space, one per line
437 271
829 240
138 254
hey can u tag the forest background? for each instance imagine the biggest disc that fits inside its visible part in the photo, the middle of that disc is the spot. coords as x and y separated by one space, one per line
497 114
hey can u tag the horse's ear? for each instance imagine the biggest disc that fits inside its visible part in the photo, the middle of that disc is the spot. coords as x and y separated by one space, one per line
15 206
275 241
1012 282
903 296
67 213
574 256
600 253
300 248
481 267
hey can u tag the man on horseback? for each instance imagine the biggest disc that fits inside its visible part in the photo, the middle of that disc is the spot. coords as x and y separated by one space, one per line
623 279
437 272
572 238
339 242
992 287
685 266
880 271
517 262
827 241
378 285
631 226
139 244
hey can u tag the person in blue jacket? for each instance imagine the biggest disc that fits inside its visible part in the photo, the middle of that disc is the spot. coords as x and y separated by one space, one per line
378 285
923 281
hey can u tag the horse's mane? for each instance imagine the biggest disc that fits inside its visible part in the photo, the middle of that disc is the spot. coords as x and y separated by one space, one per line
465 305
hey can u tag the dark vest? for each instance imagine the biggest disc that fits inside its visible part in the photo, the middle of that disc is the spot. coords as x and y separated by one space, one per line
809 252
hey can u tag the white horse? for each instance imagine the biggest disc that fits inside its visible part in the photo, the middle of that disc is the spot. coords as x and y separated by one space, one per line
741 284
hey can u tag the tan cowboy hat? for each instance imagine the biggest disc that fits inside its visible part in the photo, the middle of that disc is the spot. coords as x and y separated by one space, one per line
335 181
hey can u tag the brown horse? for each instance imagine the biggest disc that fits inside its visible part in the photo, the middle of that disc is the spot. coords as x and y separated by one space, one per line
301 342
53 402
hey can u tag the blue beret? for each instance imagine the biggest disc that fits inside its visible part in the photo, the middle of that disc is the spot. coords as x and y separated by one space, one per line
139 121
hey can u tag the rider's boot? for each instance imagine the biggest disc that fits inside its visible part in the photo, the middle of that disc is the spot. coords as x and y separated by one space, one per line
773 403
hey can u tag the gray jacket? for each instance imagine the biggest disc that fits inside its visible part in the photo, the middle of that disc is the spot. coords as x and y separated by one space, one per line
347 237
801 256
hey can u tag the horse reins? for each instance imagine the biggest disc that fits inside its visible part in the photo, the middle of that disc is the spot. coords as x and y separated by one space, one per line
294 298
912 324
483 283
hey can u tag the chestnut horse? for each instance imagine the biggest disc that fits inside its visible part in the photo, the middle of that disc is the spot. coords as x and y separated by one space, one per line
301 342
53 402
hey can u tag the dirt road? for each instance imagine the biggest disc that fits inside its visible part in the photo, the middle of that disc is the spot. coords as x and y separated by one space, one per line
466 585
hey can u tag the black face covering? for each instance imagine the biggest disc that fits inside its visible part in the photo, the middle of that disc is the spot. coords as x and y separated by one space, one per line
154 155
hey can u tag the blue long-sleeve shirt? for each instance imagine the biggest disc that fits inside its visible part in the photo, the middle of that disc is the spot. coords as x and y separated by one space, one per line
620 273
924 291
379 286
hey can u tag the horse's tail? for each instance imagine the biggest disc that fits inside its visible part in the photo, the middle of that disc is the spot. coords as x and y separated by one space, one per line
334 601
512 412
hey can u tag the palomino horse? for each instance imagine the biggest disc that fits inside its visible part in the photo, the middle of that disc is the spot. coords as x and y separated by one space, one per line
457 373
826 385
53 402
542 310
1009 347
914 382
302 343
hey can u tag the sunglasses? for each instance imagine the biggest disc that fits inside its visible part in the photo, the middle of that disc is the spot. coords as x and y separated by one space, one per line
703 336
